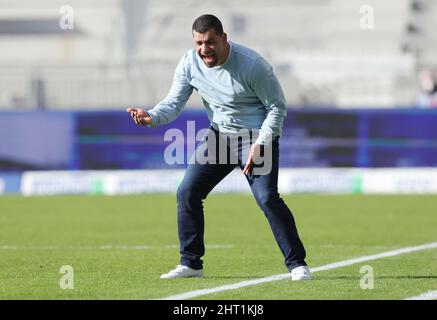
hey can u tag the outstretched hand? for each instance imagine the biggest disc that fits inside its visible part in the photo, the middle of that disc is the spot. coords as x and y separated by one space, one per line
140 116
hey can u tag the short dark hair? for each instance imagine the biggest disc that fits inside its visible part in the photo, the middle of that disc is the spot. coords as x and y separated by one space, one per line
206 22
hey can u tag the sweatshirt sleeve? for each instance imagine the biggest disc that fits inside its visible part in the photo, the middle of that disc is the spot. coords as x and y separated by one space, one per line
172 105
267 88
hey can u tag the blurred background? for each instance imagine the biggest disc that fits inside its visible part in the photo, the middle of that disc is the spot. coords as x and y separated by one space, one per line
359 78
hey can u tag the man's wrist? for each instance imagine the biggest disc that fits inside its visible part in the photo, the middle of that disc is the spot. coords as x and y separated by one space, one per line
146 119
152 118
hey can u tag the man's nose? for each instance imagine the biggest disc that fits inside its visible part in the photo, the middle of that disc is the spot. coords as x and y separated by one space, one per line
204 48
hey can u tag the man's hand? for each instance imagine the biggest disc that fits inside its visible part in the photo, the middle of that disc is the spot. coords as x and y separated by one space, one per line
255 151
140 116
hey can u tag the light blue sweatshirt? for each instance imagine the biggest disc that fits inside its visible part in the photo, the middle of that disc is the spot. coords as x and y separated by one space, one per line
241 93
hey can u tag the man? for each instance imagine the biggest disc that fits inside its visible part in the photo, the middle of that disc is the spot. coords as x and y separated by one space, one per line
240 92
427 95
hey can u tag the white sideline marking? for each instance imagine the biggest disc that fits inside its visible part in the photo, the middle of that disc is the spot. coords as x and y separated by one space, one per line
335 265
430 295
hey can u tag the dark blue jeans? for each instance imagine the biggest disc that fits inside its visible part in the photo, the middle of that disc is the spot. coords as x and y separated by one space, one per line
198 182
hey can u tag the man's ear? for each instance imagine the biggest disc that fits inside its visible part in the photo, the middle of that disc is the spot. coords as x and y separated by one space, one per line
224 37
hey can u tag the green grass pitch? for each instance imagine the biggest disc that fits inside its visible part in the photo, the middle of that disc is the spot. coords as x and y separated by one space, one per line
119 246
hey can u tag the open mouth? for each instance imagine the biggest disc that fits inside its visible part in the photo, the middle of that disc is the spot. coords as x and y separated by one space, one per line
209 59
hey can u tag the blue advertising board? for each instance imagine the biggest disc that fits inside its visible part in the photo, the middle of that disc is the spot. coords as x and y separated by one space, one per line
311 138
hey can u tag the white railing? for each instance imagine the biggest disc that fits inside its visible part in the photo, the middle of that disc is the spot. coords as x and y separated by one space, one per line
144 84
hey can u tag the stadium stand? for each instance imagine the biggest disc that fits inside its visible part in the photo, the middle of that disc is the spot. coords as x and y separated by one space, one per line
320 52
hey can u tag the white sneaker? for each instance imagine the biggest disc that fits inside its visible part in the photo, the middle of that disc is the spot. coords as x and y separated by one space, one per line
183 272
301 273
